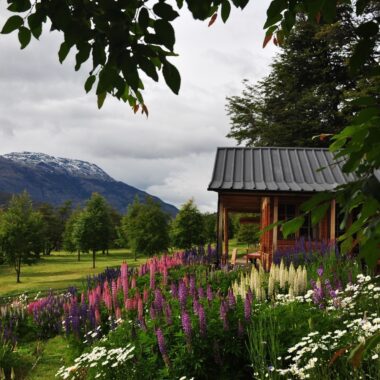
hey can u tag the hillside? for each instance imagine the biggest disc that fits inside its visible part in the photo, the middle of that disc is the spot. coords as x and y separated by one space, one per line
55 180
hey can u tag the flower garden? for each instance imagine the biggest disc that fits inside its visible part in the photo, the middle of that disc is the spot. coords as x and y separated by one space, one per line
177 317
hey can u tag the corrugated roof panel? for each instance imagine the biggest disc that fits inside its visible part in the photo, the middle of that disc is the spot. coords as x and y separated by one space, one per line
276 169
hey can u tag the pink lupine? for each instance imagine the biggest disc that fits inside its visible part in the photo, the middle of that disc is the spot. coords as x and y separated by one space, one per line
140 308
133 282
165 276
118 312
152 279
98 318
114 294
201 293
145 295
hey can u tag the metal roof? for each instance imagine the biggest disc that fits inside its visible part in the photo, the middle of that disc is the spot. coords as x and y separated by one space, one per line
276 169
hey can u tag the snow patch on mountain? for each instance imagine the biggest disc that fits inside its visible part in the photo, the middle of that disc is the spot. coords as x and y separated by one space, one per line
52 164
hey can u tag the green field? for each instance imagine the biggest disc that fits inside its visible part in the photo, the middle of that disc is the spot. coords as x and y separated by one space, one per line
60 270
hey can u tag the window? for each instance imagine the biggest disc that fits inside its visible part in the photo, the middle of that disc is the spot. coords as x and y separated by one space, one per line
286 212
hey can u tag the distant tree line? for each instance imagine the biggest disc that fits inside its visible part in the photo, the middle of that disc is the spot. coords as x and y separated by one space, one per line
28 232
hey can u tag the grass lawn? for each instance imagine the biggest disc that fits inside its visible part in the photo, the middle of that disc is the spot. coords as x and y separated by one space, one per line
60 270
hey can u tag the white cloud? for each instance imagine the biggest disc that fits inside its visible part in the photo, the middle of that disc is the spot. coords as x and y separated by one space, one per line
44 108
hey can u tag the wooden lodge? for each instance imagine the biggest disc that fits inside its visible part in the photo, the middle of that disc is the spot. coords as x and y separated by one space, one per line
273 183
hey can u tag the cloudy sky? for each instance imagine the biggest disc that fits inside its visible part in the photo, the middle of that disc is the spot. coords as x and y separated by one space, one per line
44 108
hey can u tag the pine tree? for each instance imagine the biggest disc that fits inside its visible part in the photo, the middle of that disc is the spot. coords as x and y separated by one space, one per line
303 96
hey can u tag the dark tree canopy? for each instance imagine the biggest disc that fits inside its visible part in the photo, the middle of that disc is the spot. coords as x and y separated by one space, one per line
146 228
304 95
21 232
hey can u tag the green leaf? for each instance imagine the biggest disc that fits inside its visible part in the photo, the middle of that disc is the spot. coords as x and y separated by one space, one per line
84 50
292 226
148 67
370 251
89 83
63 51
165 11
318 213
276 7
365 115
13 23
35 25
171 76
144 18
226 10
130 73
316 200
24 36
362 52
19 6
101 99
165 33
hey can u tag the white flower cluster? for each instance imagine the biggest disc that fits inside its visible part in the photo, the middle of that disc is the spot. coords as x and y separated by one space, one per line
347 299
99 358
280 278
316 347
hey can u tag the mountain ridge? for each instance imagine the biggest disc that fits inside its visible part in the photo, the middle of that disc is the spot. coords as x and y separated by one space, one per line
54 180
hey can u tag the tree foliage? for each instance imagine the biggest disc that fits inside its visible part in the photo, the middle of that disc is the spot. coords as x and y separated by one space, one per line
122 39
146 228
304 94
188 226
21 232
91 229
127 37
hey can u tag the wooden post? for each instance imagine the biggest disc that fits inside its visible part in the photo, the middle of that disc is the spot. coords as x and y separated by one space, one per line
275 220
225 232
265 221
332 220
219 232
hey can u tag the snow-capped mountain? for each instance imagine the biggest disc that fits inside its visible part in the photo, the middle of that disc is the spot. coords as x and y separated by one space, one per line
55 180
52 164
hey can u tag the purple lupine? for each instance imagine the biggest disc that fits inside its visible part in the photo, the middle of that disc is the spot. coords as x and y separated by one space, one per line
250 295
158 300
223 314
162 346
202 320
247 309
168 314
320 271
209 293
195 306
182 294
192 285
240 328
231 299
186 324
174 290
201 293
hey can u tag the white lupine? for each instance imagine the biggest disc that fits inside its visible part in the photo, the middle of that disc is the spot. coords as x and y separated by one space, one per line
291 274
